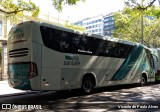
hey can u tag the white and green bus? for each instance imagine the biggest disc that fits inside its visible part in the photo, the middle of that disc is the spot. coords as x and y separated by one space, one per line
42 56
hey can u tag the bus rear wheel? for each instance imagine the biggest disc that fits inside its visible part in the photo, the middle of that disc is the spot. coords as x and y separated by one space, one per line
87 85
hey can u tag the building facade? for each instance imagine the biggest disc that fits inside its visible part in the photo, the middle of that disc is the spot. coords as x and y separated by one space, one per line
5 27
101 25
92 25
108 24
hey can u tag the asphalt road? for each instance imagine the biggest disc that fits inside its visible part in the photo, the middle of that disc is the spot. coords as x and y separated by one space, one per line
125 98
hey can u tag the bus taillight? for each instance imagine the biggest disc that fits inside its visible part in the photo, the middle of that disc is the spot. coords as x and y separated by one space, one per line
33 70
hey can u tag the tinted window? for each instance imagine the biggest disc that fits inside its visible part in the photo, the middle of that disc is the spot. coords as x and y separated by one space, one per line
68 42
150 58
51 38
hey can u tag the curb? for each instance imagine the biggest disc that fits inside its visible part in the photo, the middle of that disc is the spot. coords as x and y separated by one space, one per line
17 94
26 93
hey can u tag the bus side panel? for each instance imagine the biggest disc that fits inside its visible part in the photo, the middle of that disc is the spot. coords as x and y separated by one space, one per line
51 69
137 67
68 78
102 67
36 58
50 78
51 58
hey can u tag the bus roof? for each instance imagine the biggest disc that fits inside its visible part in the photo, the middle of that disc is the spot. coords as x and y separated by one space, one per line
85 33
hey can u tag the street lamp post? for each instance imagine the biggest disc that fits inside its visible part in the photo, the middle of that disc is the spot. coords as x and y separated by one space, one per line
142 28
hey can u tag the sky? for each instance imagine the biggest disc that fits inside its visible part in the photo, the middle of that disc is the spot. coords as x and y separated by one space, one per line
81 10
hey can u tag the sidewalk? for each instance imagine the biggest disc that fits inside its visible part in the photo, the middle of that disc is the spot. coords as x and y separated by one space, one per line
5 89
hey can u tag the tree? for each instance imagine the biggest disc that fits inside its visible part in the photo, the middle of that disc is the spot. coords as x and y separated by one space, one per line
14 9
133 24
59 3
138 4
75 27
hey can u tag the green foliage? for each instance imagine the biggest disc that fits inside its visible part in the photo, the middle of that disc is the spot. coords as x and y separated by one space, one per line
140 4
133 24
15 9
75 27
58 4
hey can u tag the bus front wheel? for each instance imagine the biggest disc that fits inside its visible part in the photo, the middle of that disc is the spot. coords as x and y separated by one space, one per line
87 85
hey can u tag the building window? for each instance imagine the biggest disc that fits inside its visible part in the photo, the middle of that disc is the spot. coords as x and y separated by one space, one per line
0 28
106 19
112 31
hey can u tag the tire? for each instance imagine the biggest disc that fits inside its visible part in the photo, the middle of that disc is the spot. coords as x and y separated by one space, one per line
87 85
143 81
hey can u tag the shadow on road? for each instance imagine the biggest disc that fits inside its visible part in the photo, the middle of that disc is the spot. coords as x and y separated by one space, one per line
106 99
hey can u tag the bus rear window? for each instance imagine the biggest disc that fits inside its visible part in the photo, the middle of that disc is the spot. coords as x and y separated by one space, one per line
20 32
16 33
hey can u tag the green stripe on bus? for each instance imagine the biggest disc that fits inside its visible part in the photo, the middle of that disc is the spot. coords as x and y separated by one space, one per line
71 57
22 84
125 68
157 78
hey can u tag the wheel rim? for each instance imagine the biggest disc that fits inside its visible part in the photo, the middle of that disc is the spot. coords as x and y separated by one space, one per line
87 86
143 81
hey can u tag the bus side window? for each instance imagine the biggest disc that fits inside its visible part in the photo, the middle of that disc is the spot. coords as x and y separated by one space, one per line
127 50
44 31
151 61
97 46
48 36
121 54
56 34
103 48
122 51
89 44
108 49
83 43
75 43
112 50
117 50
64 46
64 42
